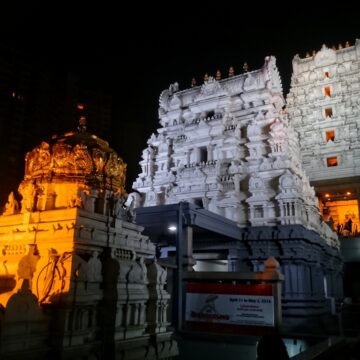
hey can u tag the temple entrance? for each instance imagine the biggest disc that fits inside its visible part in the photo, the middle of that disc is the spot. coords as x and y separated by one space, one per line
341 215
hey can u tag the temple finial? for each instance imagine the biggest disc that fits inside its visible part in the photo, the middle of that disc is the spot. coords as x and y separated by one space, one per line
206 77
347 44
340 46
82 124
218 75
231 71
245 67
193 82
307 54
313 53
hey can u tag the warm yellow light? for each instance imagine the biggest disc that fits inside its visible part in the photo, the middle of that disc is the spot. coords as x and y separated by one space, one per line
80 106
327 195
348 193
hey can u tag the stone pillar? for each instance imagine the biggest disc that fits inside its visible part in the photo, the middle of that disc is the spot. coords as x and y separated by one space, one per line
158 299
187 241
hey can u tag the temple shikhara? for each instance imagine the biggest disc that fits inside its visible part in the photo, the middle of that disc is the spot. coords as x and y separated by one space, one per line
78 279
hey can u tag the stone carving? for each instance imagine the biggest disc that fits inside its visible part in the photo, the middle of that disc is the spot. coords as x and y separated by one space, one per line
210 87
99 161
62 158
132 202
12 206
325 56
27 191
94 268
38 160
256 183
166 96
82 159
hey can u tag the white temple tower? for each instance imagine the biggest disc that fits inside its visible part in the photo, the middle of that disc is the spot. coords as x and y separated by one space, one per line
227 146
324 108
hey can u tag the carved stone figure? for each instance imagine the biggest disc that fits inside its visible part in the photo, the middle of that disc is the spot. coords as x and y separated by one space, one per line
27 191
62 158
94 267
12 206
82 159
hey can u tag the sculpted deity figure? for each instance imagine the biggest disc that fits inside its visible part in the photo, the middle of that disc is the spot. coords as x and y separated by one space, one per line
27 191
62 157
12 206
43 156
94 266
98 158
37 159
82 158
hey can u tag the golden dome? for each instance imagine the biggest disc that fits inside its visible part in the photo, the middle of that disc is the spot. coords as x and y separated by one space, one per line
66 167
76 157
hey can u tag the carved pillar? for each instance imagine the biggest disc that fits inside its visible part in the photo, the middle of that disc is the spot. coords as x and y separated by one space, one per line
158 299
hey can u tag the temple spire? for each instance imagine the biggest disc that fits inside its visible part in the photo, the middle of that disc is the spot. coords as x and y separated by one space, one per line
245 67
231 71
82 124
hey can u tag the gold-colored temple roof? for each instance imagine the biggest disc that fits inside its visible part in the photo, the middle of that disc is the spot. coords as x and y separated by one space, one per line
76 156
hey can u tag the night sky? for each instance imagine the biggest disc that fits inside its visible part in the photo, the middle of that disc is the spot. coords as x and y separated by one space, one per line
137 51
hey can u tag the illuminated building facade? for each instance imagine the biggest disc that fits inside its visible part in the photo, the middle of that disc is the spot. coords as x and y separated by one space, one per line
324 108
77 277
228 146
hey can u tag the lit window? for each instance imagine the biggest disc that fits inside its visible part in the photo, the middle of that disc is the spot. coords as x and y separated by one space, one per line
327 91
328 112
332 161
330 135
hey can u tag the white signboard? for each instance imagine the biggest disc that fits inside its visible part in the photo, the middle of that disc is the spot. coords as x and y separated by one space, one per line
229 309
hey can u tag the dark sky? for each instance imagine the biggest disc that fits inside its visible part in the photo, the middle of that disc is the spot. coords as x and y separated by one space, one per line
138 50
